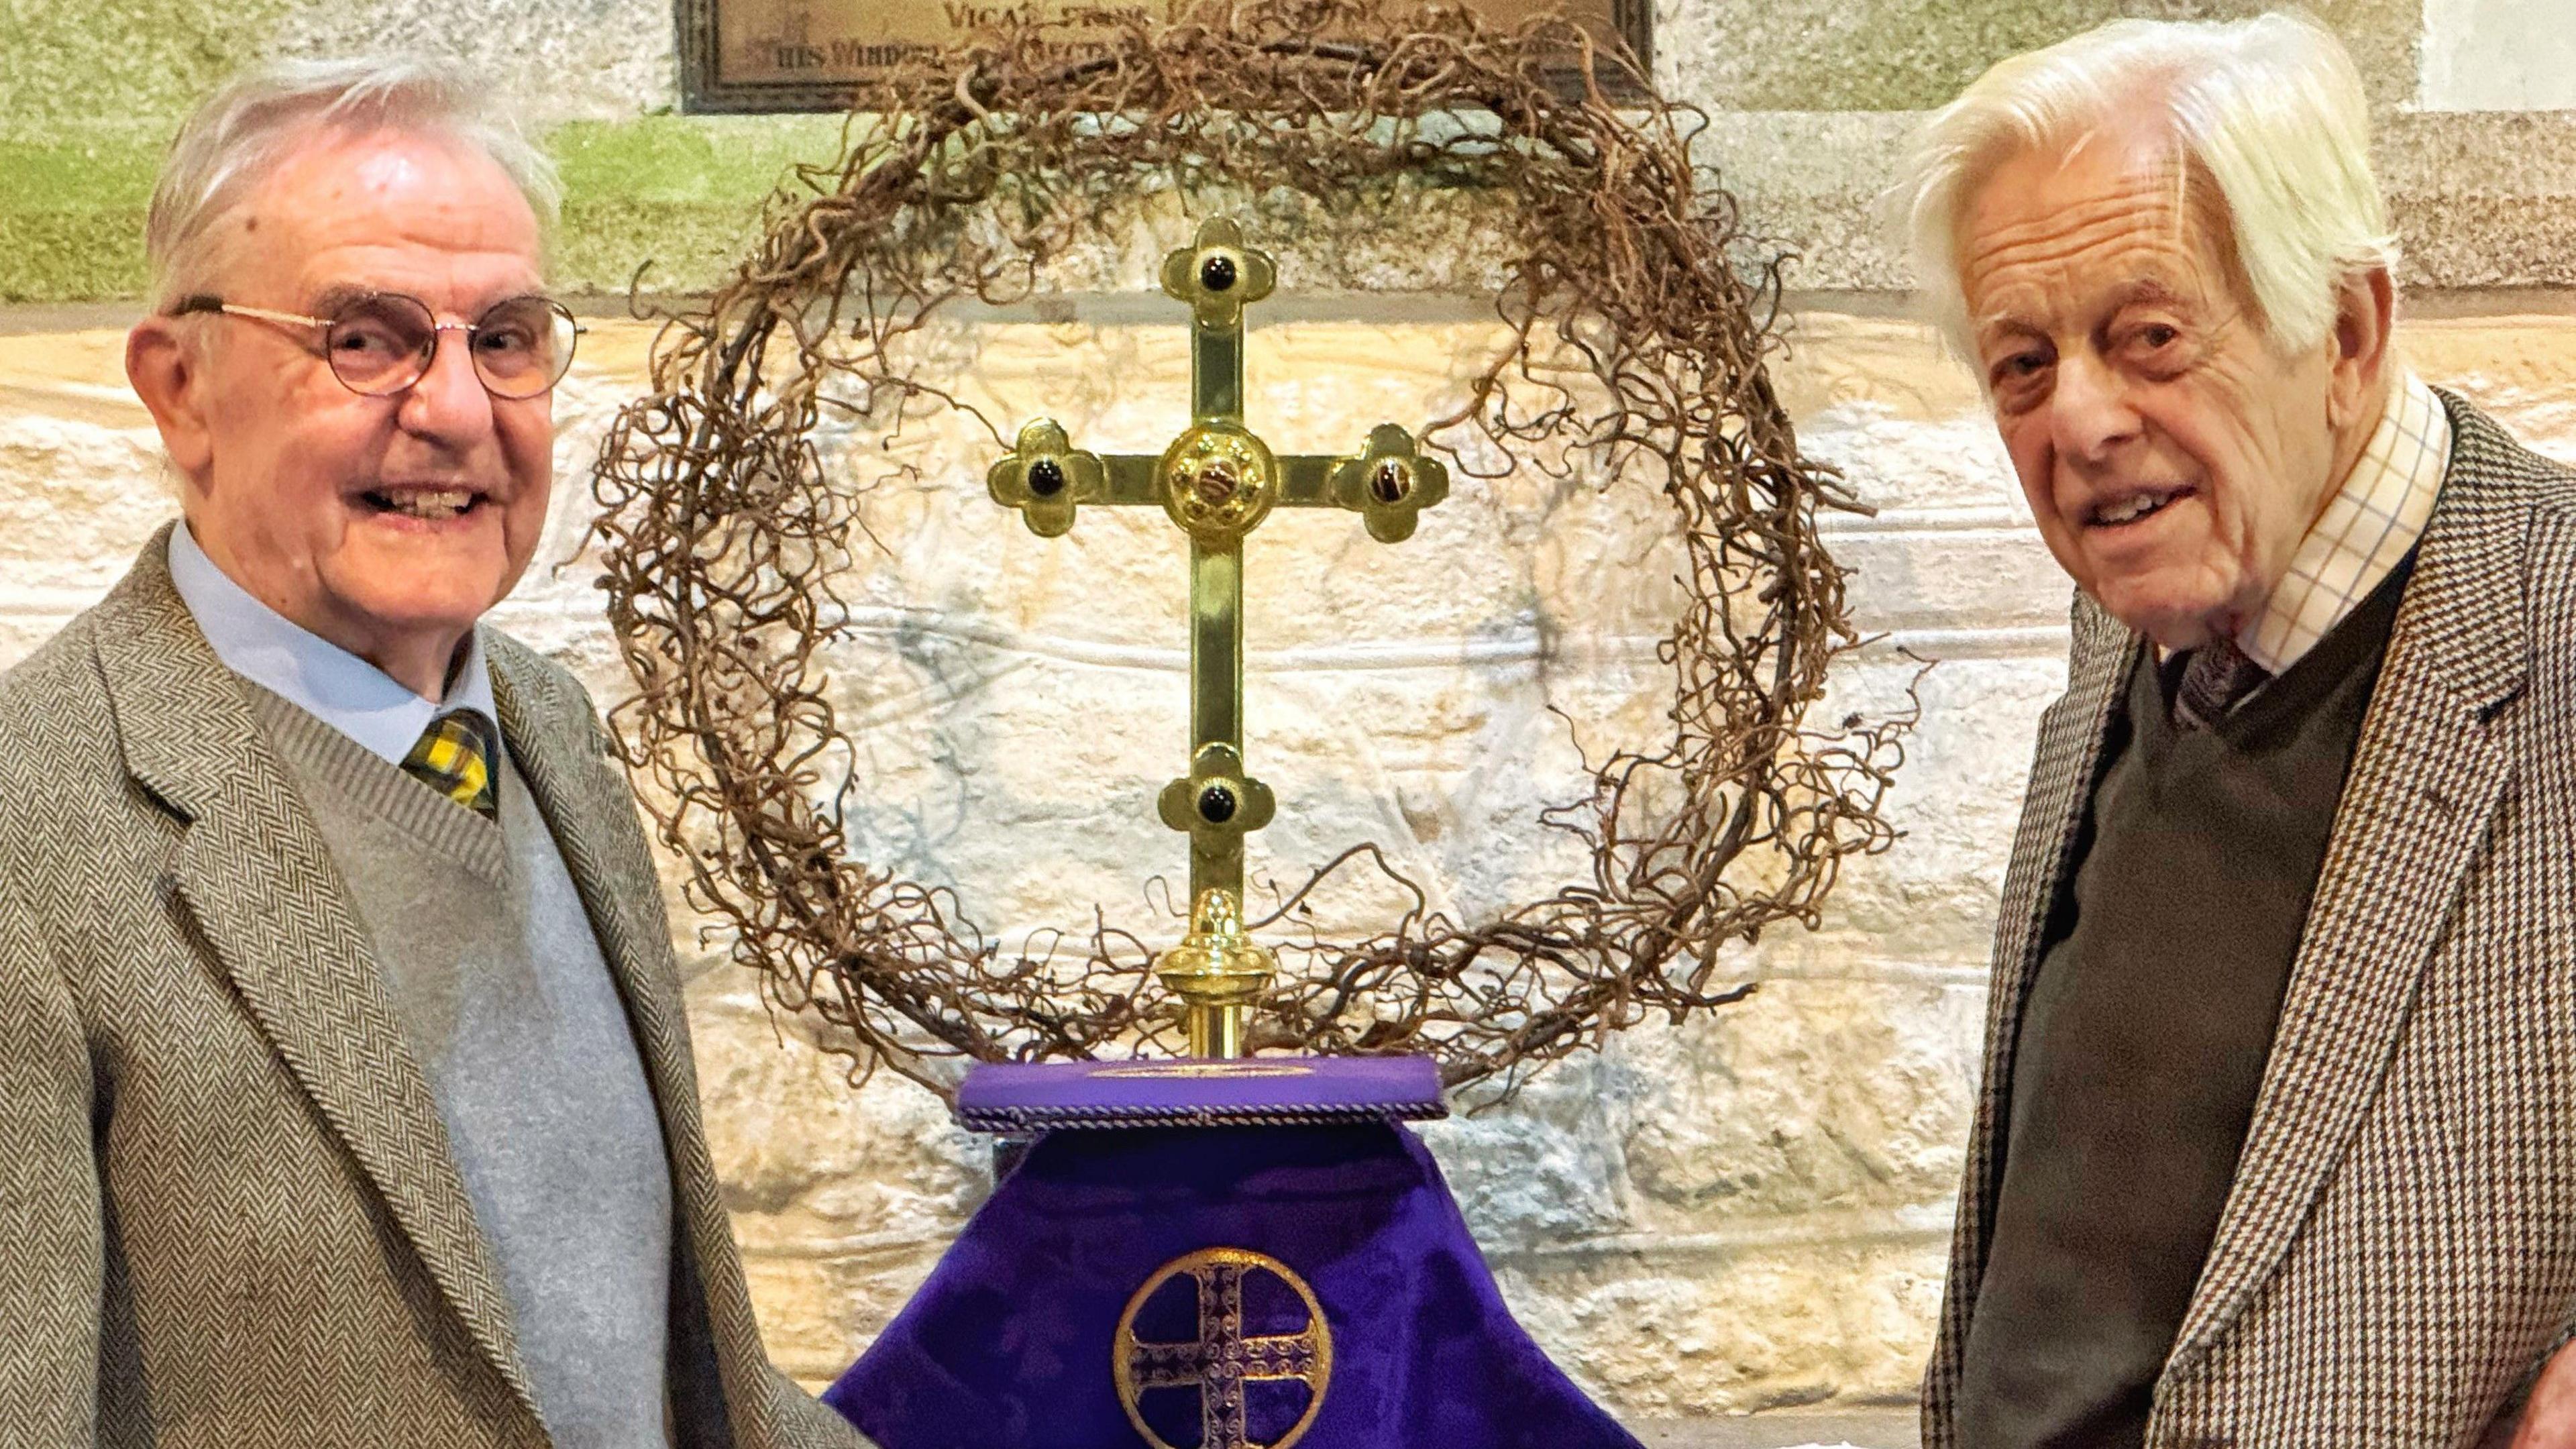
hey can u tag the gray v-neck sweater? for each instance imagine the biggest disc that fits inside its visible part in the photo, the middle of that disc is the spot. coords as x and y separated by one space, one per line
502 991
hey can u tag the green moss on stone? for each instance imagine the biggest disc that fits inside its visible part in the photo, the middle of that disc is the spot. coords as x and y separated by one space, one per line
91 89
678 196
1904 55
134 65
70 256
71 218
683 194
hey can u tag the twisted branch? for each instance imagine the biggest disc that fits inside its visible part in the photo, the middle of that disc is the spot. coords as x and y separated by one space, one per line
964 176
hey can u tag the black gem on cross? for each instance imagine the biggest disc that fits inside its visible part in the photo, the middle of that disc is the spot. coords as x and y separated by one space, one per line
1217 274
1046 477
1390 481
1216 804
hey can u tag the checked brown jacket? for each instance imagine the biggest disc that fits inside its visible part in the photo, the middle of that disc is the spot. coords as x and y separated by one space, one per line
228 1214
2397 1255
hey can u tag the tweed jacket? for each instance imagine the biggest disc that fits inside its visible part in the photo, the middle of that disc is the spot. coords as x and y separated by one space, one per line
2397 1253
228 1213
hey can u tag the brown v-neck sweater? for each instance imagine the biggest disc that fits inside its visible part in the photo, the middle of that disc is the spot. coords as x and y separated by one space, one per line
2143 1042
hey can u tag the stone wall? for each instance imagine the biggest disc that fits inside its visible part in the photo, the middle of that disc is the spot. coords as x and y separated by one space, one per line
2498 55
1744 1213
1808 99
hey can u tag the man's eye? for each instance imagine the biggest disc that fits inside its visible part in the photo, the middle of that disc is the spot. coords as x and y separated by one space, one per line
2157 336
2021 366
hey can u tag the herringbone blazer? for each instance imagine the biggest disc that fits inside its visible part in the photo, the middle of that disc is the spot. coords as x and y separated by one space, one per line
229 1217
2397 1254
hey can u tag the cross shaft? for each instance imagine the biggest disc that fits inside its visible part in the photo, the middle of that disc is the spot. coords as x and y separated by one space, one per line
1217 481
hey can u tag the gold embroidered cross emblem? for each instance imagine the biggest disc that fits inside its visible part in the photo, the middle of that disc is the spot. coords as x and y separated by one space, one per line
1221 1360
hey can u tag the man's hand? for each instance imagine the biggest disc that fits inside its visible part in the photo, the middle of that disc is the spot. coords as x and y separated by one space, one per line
2549 1420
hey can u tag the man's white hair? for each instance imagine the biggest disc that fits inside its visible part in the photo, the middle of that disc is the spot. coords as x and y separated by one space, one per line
2270 110
241 133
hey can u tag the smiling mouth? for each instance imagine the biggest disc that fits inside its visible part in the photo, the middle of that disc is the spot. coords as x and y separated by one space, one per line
436 505
2134 507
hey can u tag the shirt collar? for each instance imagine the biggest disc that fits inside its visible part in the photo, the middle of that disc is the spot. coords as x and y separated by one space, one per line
310 672
2365 531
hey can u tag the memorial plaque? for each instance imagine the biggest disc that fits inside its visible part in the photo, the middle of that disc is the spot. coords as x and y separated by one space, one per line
812 55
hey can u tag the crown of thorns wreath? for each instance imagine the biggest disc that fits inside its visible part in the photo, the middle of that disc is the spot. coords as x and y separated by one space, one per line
967 173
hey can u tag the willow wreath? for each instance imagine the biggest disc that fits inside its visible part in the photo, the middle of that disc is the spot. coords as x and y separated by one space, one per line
965 176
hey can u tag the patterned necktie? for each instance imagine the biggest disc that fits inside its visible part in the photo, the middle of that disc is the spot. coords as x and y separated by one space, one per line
2214 679
454 757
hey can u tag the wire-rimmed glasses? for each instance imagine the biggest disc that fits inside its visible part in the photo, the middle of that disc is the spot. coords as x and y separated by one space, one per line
379 343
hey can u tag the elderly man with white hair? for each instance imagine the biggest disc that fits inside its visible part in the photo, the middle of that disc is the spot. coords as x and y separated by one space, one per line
345 1088
2277 1139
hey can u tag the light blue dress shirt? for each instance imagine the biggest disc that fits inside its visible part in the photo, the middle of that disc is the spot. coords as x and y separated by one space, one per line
312 673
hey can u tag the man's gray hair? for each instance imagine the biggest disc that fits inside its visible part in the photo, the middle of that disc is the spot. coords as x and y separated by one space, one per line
241 133
2269 109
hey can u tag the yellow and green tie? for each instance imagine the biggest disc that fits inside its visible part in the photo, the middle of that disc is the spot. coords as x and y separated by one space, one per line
454 757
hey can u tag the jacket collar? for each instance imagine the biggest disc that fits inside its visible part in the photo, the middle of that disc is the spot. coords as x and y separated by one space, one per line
588 806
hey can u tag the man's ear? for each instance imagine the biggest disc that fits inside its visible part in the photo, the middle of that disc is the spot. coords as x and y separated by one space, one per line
167 369
2365 311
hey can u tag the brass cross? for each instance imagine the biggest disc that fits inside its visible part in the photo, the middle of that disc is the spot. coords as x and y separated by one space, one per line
1221 1360
1217 481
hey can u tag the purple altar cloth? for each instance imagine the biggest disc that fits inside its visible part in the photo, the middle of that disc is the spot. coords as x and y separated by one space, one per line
1248 1092
1014 1341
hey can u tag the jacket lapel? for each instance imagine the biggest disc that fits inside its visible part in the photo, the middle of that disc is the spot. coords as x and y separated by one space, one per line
560 757
550 732
2426 775
257 877
2067 757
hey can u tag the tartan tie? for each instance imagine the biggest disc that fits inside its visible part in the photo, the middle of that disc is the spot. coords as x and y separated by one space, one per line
454 757
2214 679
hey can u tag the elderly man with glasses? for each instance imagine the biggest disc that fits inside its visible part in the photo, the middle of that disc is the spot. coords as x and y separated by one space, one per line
345 1091
2277 1144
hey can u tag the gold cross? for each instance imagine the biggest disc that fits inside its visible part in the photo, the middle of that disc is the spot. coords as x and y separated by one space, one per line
1221 1360
1217 481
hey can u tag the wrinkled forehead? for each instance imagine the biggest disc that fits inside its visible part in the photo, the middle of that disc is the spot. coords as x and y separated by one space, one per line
392 210
2102 211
